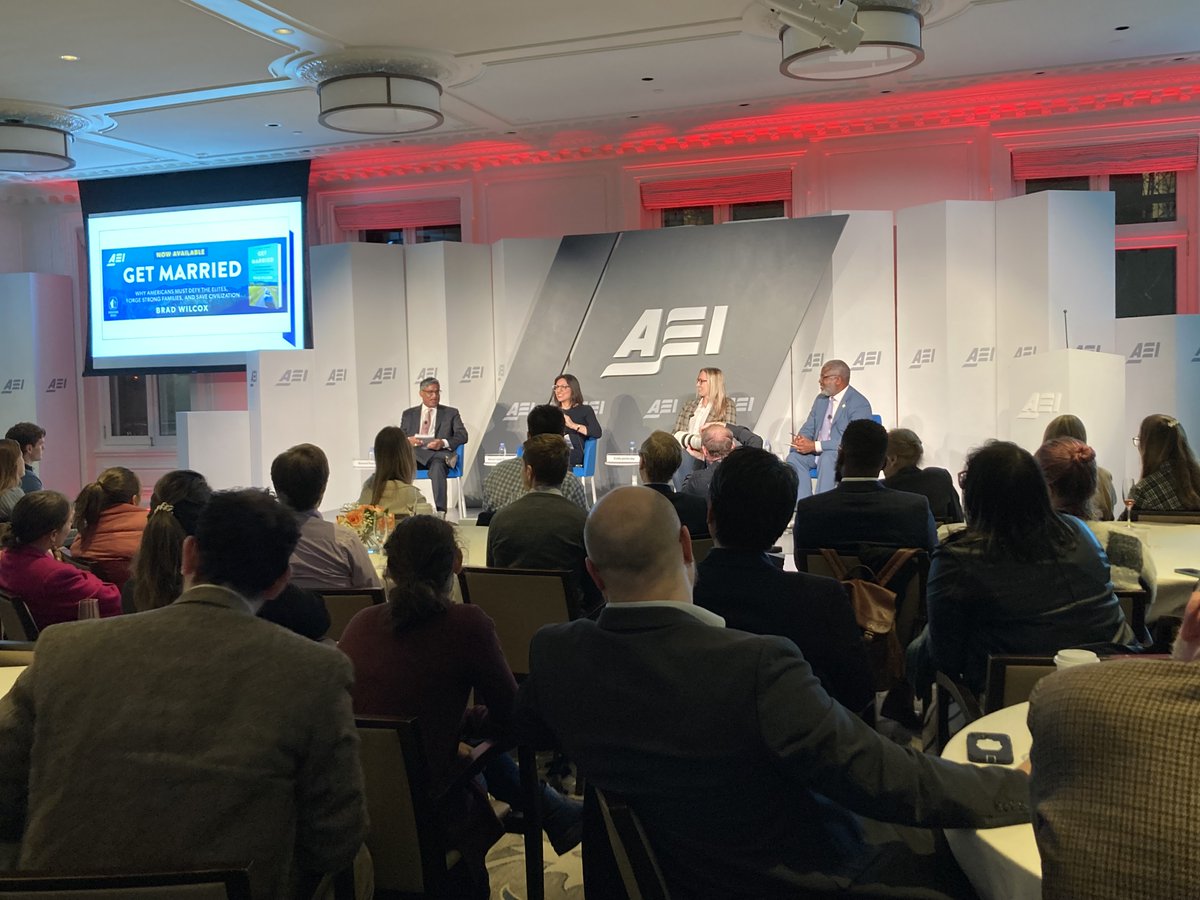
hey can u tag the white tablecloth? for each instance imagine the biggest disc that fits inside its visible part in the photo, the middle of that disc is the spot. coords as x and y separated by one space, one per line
1172 547
1002 863
8 675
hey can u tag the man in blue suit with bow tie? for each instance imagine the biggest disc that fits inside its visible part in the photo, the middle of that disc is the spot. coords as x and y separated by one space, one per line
816 443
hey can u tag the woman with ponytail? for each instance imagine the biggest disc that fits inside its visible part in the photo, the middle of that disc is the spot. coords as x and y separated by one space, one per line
109 521
175 507
420 655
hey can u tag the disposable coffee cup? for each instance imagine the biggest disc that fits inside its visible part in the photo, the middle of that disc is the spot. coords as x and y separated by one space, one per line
1068 659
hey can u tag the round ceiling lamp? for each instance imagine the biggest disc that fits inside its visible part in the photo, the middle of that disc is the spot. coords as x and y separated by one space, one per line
33 148
891 42
380 103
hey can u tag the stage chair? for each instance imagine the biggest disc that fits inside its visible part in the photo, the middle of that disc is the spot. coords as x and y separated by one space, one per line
211 884
640 872
15 619
1010 679
406 841
451 474
343 603
519 601
587 472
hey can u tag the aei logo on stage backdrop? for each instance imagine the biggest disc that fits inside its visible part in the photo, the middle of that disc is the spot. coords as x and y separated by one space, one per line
979 355
923 357
681 337
1039 403
336 376
866 360
56 385
13 385
813 362
292 376
384 373
1144 350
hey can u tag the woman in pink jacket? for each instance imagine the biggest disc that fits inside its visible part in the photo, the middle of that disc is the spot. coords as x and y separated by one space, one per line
28 570
110 522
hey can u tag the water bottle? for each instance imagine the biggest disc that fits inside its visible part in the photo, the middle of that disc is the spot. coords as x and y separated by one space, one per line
633 448
503 451
371 454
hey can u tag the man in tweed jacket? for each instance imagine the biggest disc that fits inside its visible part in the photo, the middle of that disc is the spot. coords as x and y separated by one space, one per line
1116 772
191 736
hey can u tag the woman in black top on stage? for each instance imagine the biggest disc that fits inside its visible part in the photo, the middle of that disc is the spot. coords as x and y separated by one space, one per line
581 418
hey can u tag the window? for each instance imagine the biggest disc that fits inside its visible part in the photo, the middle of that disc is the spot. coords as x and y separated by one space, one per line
141 409
724 212
420 234
716 199
1146 282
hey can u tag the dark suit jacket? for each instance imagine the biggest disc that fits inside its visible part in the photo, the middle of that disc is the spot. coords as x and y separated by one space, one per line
542 530
449 426
749 593
859 512
937 487
698 481
692 510
741 767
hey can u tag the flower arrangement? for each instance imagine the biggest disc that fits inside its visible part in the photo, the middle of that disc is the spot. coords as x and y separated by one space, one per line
370 523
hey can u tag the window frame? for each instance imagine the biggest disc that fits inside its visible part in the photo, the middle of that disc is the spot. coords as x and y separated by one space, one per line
153 438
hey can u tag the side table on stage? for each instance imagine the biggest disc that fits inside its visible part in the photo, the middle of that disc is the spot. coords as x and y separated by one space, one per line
618 460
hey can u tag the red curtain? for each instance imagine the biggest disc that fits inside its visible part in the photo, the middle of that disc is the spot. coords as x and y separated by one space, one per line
1176 154
750 188
389 216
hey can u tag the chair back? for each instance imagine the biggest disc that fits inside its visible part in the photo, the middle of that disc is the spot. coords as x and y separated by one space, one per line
640 872
15 619
405 838
212 884
519 601
16 653
588 469
343 603
1010 679
947 690
1134 605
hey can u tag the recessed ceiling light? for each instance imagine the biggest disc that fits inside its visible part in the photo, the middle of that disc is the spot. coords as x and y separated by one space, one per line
886 91
647 78
297 132
69 57
635 117
1043 72
743 104
272 124
1121 28
1180 58
284 31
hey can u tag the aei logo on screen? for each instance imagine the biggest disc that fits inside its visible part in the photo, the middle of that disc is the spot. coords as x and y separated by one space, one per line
681 337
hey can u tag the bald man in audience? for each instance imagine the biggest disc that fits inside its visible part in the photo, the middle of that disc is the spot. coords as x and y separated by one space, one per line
750 780
1115 774
192 736
716 440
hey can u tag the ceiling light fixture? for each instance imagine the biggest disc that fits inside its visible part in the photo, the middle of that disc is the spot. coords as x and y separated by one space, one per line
824 40
36 138
283 31
380 90
69 57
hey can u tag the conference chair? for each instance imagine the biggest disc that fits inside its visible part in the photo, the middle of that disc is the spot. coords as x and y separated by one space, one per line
640 872
1010 679
587 472
343 603
519 602
1134 604
946 690
451 474
15 619
206 884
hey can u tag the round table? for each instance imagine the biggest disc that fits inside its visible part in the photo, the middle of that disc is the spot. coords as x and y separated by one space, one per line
1002 863
623 460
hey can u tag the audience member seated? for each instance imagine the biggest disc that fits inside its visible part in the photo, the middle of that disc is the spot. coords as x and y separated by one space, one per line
1114 768
749 779
659 457
1069 466
10 477
543 529
716 443
901 472
157 578
391 485
860 510
1170 474
749 506
1105 499
109 521
31 439
192 736
1019 579
505 482
328 555
28 569
422 655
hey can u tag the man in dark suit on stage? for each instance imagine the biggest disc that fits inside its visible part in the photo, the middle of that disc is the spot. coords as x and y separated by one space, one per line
435 432
749 505
749 779
861 510
901 473
543 529
816 442
661 456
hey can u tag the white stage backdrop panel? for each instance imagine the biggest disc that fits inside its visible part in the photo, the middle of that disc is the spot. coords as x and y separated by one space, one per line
519 269
812 345
1054 253
946 326
38 380
335 389
1162 375
279 400
380 338
217 444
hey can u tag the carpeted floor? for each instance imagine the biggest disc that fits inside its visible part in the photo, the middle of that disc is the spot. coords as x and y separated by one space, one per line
506 870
